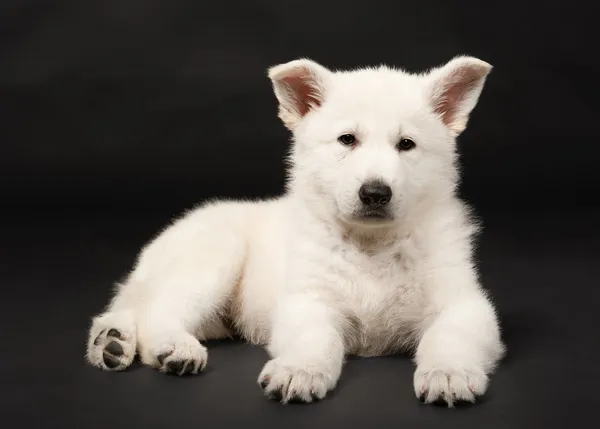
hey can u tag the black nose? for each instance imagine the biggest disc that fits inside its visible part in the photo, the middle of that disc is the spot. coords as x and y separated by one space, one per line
375 194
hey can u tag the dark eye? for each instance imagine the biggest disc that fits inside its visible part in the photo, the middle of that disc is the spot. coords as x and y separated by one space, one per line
406 144
347 139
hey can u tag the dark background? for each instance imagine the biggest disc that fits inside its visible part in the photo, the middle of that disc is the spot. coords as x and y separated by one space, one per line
118 115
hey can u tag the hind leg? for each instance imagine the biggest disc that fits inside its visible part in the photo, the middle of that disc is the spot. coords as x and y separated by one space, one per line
181 287
186 308
187 298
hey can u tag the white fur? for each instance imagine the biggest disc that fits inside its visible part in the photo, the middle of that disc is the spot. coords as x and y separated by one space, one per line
302 274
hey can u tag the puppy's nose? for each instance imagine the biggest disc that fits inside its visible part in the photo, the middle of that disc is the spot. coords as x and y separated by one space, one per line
375 194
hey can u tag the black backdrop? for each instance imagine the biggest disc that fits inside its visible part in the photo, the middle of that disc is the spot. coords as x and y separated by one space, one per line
117 115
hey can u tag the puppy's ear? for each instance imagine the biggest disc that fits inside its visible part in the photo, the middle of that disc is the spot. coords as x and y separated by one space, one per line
299 86
454 90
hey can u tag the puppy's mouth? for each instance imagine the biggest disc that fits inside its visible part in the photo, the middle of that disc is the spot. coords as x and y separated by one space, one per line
372 217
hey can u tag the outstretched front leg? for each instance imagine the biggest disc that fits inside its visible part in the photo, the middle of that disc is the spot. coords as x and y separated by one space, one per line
461 343
307 347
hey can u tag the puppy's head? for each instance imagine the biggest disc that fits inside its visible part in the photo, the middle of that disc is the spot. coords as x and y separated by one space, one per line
369 144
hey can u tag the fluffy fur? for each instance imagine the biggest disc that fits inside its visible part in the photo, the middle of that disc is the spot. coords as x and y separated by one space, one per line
318 274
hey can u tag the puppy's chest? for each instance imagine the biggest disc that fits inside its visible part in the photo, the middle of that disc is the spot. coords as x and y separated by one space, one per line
383 293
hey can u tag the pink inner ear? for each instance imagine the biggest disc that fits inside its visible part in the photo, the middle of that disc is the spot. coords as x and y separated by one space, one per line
453 90
303 91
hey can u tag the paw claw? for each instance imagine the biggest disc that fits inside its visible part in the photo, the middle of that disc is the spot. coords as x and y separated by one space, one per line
288 383
179 353
189 367
448 386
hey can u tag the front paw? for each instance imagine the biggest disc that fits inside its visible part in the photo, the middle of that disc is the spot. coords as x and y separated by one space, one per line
449 384
293 382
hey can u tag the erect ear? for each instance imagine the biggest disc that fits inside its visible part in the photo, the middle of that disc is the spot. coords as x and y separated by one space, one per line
454 90
299 86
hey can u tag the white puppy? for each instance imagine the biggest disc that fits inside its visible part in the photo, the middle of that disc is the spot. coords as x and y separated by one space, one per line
369 252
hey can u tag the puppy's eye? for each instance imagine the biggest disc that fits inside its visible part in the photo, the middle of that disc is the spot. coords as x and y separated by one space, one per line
406 144
347 139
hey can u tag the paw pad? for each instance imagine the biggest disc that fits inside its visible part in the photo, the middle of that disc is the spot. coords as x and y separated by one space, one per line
116 353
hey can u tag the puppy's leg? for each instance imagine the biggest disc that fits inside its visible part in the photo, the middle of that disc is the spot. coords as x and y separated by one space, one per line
307 347
112 336
183 281
460 347
187 304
